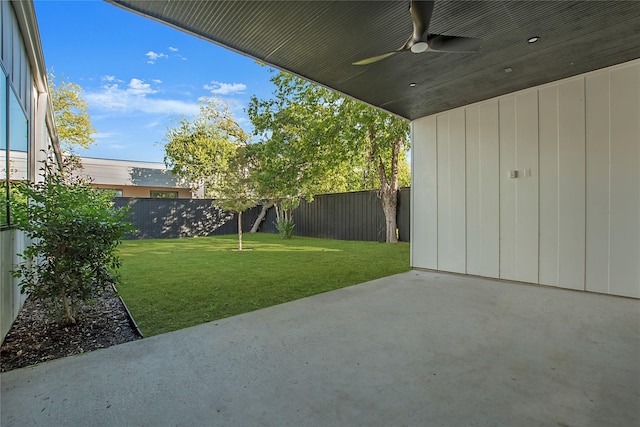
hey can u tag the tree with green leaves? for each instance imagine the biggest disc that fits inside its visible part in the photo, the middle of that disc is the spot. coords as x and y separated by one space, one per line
75 231
385 138
210 150
73 121
314 139
236 190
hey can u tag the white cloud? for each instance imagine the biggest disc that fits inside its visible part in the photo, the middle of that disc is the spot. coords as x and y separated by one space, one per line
108 78
139 87
135 97
104 135
154 56
219 88
173 49
156 81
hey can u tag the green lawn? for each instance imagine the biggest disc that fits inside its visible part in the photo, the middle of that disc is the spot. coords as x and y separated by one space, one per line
175 283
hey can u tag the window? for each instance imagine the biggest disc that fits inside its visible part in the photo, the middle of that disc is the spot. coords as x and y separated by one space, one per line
164 194
116 192
4 160
14 147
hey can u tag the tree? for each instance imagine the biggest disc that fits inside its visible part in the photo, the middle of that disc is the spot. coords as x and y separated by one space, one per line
385 138
210 150
315 140
200 150
75 231
236 191
73 122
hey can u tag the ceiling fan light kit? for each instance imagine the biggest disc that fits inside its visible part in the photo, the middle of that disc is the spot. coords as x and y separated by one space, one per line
419 47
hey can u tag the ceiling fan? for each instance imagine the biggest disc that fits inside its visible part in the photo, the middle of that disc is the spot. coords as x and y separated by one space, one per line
421 41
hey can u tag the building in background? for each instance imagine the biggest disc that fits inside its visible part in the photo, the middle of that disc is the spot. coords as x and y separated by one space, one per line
137 179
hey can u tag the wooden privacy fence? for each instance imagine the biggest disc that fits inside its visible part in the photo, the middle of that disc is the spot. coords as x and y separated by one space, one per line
344 216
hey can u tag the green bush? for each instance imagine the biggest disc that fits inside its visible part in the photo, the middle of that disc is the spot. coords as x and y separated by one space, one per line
75 231
285 227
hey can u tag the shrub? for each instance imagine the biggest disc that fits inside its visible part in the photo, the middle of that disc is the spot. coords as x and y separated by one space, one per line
75 231
285 227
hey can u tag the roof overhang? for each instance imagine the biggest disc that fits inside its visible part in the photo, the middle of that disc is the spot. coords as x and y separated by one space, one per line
319 41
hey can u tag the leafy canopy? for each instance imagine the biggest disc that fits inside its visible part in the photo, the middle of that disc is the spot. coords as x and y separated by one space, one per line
203 150
73 121
313 141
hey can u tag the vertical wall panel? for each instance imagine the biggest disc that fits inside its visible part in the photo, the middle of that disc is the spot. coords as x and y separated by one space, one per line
482 203
571 184
548 100
457 144
562 184
473 202
508 199
625 181
527 186
598 182
519 196
444 191
451 191
424 194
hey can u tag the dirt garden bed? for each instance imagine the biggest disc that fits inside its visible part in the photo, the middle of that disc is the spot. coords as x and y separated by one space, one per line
35 337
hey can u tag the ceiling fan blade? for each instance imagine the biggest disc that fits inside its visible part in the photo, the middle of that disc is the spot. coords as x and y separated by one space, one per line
376 58
440 43
421 12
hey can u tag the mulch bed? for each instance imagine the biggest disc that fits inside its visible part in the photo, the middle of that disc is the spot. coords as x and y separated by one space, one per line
37 337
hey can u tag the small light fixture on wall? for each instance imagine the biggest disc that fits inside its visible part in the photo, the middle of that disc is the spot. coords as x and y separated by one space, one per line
508 70
412 85
533 39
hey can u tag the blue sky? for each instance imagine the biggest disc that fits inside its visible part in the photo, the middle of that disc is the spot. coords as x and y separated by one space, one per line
139 76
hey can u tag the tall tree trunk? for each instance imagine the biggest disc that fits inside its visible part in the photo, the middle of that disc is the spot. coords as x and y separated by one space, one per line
263 213
389 193
239 231
389 199
388 186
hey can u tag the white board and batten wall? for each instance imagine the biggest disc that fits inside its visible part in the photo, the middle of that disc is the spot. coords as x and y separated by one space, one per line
540 186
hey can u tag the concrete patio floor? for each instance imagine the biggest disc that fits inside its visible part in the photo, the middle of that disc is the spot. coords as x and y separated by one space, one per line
418 348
